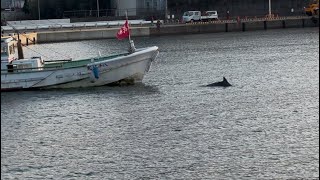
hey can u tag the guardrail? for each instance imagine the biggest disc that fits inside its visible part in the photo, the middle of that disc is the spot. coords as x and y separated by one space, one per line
252 19
56 26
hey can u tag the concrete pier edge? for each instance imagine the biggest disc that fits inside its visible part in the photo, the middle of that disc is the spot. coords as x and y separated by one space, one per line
173 29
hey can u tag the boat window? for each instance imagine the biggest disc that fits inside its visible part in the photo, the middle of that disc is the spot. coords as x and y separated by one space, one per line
24 66
4 50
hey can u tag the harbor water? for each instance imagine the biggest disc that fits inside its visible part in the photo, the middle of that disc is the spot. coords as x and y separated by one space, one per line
265 126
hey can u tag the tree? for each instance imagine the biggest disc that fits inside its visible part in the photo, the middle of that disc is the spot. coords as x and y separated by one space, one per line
26 8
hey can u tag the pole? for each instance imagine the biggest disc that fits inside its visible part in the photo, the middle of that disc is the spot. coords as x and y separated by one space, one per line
98 7
118 7
128 26
14 9
132 49
166 10
39 8
270 8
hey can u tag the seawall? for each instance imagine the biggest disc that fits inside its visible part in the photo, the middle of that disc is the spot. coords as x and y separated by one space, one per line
87 34
191 28
234 26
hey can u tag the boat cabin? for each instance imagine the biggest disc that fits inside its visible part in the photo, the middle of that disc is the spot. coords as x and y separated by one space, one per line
9 62
7 51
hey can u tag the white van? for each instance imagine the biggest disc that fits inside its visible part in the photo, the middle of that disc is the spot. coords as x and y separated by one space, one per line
210 15
191 16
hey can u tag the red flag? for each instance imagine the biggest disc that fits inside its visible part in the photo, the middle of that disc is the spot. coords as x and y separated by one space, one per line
123 31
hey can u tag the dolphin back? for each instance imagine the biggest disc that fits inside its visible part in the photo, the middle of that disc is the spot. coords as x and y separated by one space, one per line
223 83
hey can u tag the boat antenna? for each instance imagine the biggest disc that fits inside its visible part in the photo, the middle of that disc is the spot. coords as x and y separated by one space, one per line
19 47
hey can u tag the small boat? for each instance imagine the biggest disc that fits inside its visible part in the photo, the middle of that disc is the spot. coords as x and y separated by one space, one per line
35 73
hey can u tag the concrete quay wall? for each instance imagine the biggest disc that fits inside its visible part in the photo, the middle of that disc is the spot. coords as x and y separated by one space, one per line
208 27
74 35
234 26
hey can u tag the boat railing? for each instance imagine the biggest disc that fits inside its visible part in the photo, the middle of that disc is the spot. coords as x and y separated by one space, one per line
58 60
29 69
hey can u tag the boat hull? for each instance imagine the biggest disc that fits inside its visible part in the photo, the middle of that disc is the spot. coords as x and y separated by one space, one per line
129 68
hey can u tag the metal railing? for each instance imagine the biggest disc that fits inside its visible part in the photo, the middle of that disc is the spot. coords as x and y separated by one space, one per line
146 13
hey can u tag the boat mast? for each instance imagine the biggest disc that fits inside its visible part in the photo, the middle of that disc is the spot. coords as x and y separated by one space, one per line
19 48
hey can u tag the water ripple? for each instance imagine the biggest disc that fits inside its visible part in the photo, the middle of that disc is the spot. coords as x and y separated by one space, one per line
265 126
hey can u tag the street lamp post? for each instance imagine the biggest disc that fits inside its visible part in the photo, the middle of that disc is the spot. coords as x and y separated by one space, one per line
14 9
269 8
118 7
39 8
166 10
98 7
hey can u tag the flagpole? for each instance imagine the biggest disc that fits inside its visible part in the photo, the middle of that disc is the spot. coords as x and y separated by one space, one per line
132 49
128 26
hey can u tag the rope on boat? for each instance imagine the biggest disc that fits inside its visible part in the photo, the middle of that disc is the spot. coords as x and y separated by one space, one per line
17 31
67 57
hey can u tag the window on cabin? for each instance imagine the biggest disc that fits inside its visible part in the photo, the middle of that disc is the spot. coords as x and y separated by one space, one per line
24 66
4 50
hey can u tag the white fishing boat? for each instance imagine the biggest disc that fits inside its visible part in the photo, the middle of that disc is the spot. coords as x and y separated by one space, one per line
35 73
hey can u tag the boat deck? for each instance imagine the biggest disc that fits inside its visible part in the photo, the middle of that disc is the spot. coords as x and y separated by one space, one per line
77 63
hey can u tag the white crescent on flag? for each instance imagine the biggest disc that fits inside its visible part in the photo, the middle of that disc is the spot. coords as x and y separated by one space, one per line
124 31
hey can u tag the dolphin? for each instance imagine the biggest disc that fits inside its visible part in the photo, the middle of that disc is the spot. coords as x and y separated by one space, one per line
223 83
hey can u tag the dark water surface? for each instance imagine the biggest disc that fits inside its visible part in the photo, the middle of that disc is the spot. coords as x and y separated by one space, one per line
265 126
